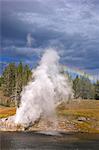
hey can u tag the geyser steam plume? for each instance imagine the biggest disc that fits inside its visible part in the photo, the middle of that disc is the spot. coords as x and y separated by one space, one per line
47 88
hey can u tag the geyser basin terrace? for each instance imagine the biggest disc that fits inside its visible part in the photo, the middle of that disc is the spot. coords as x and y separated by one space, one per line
76 116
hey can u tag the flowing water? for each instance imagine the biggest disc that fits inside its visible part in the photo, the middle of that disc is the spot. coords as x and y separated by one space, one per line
48 141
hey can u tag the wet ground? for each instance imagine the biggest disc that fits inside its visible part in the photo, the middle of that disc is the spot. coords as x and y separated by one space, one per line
48 141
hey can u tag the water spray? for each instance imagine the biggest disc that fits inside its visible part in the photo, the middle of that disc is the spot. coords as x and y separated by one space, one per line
48 87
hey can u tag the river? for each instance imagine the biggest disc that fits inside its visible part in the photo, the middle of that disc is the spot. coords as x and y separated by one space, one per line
48 141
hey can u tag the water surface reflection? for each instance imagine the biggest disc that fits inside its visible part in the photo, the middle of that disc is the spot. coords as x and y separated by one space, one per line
48 141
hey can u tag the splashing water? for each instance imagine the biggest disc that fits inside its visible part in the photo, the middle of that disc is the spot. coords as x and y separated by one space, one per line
47 88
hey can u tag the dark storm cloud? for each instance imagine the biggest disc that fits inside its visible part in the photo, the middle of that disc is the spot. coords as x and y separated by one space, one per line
70 26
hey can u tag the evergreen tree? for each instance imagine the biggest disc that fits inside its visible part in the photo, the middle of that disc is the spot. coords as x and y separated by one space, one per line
19 81
23 75
13 79
87 88
76 87
26 75
9 79
83 88
97 90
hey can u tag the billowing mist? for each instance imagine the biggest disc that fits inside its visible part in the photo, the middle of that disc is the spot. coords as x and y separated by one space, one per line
47 88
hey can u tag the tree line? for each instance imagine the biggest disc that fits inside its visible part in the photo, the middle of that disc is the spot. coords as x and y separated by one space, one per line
85 89
15 77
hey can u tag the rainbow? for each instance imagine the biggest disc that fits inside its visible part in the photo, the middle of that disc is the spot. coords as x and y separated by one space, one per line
74 72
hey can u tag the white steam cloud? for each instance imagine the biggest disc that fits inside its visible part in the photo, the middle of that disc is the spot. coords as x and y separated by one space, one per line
47 88
30 40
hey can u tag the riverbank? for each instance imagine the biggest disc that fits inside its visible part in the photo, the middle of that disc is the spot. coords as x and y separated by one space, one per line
76 116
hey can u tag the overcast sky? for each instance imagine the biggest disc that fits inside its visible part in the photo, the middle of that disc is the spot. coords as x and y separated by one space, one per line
28 27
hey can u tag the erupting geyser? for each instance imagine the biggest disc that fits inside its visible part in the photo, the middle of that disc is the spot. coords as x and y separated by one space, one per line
48 87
